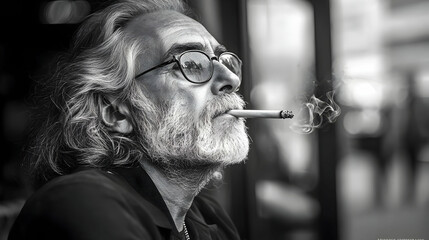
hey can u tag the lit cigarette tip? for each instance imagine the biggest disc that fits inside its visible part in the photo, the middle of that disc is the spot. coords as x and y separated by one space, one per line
286 114
283 114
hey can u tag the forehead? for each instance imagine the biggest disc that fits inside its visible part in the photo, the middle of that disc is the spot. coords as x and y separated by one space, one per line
159 31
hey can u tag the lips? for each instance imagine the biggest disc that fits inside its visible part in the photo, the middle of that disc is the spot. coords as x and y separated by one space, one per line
219 113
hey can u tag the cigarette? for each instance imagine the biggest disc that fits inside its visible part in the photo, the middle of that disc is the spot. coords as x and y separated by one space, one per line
261 113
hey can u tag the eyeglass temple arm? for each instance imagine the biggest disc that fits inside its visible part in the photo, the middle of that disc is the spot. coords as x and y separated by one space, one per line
158 66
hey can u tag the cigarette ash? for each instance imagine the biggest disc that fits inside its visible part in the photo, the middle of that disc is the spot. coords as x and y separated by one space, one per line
315 114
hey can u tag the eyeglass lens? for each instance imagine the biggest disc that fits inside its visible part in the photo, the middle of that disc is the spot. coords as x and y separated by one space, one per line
231 62
197 66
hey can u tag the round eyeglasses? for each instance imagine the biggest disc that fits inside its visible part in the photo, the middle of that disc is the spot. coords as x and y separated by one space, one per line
197 67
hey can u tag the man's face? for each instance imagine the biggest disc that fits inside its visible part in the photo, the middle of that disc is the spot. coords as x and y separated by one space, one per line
186 120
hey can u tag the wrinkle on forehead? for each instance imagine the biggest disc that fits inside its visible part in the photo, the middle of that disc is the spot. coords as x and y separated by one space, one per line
183 37
152 23
163 28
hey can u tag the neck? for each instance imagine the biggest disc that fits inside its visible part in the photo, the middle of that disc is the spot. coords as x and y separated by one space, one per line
177 198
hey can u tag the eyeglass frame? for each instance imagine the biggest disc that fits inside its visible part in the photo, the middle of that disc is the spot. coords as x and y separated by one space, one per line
176 59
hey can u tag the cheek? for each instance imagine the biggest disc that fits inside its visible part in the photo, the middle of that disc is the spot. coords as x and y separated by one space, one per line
192 98
196 97
188 102
159 90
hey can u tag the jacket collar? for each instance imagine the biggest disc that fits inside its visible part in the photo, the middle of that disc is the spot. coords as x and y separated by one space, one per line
140 182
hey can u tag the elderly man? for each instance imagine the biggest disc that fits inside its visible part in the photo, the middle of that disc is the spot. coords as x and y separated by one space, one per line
132 126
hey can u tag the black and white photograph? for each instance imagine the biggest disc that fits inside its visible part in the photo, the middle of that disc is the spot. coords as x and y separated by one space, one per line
214 120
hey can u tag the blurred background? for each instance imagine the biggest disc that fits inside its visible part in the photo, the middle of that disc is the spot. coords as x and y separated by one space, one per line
364 176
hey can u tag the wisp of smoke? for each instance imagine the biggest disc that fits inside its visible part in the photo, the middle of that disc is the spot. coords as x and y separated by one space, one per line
314 113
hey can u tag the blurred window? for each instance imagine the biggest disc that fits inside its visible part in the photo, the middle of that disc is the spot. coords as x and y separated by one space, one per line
282 63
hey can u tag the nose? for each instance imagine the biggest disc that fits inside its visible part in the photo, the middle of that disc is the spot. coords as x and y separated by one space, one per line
223 80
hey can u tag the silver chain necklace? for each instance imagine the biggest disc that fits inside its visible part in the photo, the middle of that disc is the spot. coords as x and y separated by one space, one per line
186 231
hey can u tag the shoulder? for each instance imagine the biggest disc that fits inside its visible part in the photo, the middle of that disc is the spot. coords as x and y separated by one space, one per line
85 188
85 205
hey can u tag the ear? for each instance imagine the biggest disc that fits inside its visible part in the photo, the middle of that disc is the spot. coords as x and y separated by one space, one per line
116 116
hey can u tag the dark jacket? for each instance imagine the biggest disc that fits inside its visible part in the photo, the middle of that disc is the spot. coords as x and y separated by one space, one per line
122 203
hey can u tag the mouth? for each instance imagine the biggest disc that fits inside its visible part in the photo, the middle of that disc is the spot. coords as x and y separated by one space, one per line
225 112
220 113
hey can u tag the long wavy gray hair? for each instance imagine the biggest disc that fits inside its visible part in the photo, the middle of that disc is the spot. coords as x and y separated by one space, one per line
68 131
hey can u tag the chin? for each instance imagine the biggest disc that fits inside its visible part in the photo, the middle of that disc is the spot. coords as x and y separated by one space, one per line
228 142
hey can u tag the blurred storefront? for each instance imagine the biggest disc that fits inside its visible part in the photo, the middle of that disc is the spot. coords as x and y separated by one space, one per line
380 62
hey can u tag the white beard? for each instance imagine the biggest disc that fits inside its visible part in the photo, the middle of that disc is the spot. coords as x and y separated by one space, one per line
181 147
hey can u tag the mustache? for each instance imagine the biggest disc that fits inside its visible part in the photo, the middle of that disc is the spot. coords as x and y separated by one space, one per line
221 104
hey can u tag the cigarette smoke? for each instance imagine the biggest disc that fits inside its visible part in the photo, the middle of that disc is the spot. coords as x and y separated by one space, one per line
315 113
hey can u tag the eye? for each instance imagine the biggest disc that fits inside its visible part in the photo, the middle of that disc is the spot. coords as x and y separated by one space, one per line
192 66
175 67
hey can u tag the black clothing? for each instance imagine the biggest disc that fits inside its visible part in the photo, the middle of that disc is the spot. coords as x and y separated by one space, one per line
122 203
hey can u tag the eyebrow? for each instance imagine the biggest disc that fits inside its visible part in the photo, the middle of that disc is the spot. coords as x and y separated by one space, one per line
220 49
178 48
